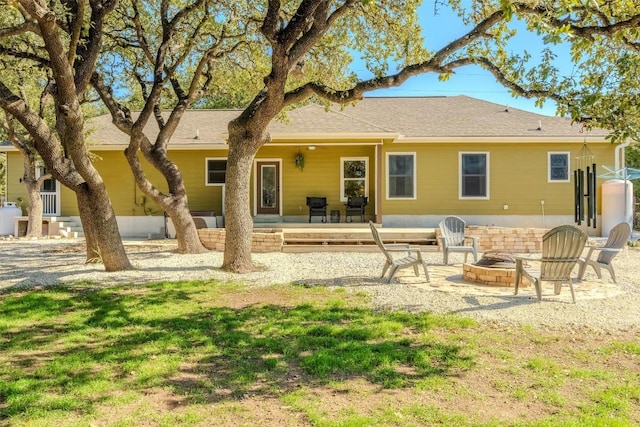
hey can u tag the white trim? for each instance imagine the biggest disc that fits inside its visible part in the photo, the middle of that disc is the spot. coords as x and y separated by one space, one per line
554 181
368 138
515 139
519 221
255 183
46 195
206 172
366 175
343 140
415 174
487 175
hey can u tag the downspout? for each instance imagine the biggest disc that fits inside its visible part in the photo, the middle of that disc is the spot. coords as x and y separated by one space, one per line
620 162
620 156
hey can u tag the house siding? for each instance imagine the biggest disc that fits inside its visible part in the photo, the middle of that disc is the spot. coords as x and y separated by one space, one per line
435 129
518 178
15 171
320 176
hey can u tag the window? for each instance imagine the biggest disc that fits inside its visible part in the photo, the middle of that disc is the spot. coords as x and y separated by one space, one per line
216 171
474 175
558 167
401 176
354 177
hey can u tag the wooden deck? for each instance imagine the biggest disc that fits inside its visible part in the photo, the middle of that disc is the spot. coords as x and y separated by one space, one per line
350 238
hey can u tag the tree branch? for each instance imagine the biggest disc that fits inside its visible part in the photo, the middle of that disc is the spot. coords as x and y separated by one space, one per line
76 30
301 21
433 64
89 49
23 28
270 24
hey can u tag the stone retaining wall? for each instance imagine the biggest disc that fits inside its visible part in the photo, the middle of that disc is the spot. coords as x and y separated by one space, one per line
516 240
265 240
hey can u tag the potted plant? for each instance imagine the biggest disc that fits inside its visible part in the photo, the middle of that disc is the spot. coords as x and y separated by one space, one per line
299 160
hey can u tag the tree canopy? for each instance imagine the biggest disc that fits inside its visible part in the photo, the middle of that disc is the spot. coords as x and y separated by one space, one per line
604 37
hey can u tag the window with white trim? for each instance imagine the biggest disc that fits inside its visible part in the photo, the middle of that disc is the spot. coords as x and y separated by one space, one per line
474 175
216 171
401 175
558 166
353 173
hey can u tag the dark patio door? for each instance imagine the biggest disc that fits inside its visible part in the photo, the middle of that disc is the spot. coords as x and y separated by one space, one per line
268 173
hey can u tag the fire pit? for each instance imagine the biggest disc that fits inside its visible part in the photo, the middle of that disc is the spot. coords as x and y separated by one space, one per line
495 268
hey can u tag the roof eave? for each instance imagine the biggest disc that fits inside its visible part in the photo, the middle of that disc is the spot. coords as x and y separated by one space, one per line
499 139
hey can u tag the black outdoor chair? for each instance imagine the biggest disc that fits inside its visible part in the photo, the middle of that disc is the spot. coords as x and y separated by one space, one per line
355 206
317 207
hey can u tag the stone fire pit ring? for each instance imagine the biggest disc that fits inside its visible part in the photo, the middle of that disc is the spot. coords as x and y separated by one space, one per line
495 268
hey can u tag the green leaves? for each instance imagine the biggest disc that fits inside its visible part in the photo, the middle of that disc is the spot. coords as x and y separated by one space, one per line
507 8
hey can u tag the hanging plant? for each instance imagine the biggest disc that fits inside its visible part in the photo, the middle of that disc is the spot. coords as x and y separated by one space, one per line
299 160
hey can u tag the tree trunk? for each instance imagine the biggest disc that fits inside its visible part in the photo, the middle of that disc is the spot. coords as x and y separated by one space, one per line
174 203
186 232
88 226
103 241
34 211
32 185
238 221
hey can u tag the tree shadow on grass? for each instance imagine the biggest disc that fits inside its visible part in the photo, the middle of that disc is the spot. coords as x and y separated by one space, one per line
63 342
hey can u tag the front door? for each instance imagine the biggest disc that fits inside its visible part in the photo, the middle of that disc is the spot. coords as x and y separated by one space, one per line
50 193
268 185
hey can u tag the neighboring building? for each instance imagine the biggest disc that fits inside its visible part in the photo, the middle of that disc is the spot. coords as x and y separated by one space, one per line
416 159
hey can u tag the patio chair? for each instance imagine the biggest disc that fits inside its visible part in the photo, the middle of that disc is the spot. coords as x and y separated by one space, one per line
399 255
453 239
618 238
355 206
317 207
561 250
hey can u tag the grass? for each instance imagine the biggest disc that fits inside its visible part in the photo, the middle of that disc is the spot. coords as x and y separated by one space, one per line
188 353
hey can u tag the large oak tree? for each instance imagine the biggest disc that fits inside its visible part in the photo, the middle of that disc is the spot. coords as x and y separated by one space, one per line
321 37
168 55
65 38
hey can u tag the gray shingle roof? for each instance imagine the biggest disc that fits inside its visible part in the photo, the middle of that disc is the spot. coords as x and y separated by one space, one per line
414 117
460 116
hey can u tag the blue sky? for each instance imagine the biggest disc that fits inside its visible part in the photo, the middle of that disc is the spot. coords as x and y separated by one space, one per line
471 81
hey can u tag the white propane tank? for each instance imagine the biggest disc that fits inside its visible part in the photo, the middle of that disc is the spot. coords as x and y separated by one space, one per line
614 207
7 214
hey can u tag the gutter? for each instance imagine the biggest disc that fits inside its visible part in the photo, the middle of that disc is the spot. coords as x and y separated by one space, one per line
619 154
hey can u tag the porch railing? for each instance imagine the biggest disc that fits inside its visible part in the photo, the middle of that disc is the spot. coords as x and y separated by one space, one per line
49 203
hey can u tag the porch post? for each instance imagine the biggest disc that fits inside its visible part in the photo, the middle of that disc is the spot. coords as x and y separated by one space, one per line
378 186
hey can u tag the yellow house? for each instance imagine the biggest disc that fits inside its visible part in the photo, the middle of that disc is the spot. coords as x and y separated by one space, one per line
415 159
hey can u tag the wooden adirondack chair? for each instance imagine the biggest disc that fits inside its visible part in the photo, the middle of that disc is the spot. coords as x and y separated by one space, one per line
617 240
453 239
561 250
399 256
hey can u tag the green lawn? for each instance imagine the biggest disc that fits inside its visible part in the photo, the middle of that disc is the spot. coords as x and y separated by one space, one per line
195 353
